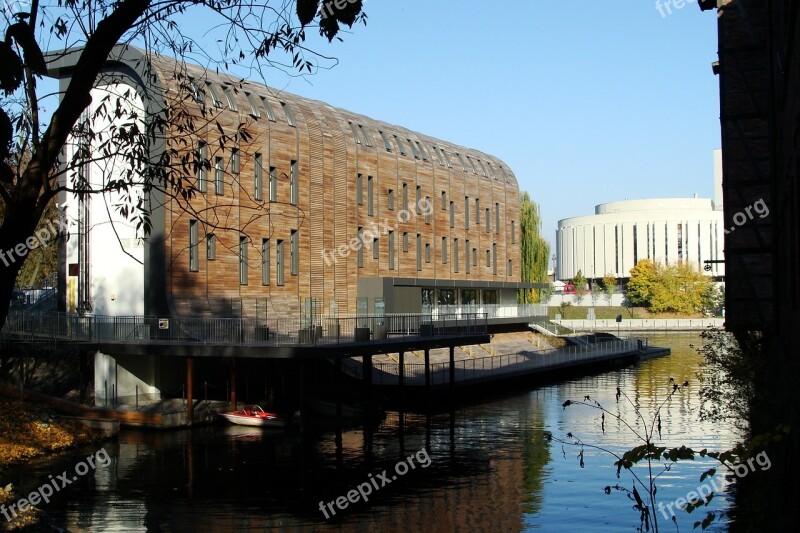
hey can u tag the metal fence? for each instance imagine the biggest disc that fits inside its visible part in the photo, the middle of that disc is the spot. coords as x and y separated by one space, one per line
485 368
239 331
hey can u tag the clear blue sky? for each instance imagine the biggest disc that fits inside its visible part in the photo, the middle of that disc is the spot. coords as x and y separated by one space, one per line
587 102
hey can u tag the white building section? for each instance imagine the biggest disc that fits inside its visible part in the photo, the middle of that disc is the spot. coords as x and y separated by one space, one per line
620 234
105 253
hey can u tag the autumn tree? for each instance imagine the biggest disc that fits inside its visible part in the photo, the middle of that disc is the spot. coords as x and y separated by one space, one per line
609 282
640 286
249 36
534 249
678 288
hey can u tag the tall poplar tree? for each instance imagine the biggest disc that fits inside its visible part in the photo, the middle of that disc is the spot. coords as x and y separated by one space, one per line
534 248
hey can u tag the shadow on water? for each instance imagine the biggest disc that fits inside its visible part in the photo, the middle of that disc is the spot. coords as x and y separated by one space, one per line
488 468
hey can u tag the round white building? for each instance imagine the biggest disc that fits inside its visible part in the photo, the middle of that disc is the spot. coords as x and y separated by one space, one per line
620 234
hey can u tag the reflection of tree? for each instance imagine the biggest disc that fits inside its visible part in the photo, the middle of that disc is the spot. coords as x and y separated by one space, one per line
535 455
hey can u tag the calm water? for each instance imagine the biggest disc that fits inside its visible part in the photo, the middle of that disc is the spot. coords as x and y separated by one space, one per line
497 474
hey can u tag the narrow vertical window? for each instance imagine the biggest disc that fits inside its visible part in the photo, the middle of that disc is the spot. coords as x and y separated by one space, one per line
294 187
488 259
461 160
359 189
366 137
273 184
391 250
370 197
418 201
466 257
265 273
194 260
405 197
268 109
513 232
294 253
229 97
447 159
413 149
444 250
510 267
211 247
253 106
386 144
360 251
474 257
279 262
452 214
483 168
214 95
202 165
400 146
289 113
197 93
497 218
494 258
356 137
258 176
444 200
455 255
428 208
466 212
478 211
242 260
472 164
390 200
419 252
427 253
405 241
438 155
488 221
375 248
219 177
235 163
422 151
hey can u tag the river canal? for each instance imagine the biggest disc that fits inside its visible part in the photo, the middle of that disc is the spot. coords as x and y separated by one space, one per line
491 470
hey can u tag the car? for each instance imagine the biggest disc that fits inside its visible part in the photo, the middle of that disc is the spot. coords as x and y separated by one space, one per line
569 288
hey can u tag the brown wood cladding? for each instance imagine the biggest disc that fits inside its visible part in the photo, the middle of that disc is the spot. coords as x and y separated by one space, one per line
327 215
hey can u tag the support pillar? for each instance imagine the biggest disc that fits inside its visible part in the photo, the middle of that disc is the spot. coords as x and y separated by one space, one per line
402 415
233 383
189 389
452 371
338 379
427 376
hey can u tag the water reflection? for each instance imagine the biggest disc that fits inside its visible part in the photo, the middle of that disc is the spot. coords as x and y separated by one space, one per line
490 471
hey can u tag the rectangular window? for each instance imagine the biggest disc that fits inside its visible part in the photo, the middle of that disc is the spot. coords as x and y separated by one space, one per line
474 257
444 250
494 258
197 93
497 218
279 262
419 252
478 211
202 165
242 260
455 255
294 186
253 106
428 209
444 201
680 242
418 201
294 253
289 113
265 262
229 97
211 247
510 267
390 200
268 109
467 263
635 246
400 146
376 248
488 259
391 250
194 260
488 221
359 189
219 177
466 212
365 135
214 95
273 184
370 197
386 144
360 251
405 197
236 166
427 253
513 233
405 241
452 214
258 176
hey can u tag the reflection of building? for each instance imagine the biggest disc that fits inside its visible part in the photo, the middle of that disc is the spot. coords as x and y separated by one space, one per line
317 208
620 234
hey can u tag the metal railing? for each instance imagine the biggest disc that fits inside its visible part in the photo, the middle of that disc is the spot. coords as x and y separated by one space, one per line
486 368
494 310
238 331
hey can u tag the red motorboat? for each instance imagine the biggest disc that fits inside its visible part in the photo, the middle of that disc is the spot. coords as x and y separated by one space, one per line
254 415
